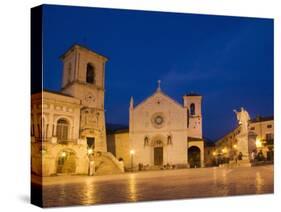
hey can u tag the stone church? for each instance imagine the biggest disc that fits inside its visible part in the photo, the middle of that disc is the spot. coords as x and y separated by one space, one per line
68 127
162 133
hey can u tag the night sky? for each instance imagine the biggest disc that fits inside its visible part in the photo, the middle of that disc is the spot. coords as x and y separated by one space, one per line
228 60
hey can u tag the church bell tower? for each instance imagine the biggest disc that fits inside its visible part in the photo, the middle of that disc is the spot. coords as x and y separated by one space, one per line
83 78
193 103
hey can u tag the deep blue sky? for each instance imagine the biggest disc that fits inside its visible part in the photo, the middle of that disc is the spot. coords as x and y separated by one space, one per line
228 60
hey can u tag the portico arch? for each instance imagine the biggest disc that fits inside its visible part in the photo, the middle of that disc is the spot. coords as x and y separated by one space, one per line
194 158
195 153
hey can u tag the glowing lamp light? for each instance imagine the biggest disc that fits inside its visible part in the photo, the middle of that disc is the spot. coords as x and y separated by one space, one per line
258 143
132 152
63 154
224 150
90 151
214 153
235 146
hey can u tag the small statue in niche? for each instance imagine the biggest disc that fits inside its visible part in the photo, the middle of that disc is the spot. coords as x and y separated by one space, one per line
169 139
146 141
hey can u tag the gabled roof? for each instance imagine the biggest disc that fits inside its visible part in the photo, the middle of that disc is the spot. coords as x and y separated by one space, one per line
154 94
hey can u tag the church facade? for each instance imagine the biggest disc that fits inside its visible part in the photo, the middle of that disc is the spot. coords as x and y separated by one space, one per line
162 133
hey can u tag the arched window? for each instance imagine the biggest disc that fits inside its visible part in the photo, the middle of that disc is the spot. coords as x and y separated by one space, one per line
90 75
192 109
62 129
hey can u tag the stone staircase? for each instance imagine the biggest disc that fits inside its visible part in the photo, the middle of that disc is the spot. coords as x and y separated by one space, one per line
106 163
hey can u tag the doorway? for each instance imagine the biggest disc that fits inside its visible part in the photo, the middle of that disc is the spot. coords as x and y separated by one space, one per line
158 156
91 142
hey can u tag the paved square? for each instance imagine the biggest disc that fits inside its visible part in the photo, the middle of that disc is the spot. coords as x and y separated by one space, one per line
157 185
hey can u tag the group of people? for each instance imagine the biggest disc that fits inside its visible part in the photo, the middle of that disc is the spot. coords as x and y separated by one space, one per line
257 156
254 157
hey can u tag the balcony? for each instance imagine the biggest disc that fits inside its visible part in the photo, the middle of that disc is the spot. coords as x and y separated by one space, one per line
66 142
54 140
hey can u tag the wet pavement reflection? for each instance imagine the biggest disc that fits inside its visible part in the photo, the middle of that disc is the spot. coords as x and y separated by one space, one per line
158 185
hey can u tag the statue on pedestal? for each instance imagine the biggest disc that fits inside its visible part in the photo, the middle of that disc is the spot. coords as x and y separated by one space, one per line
243 118
243 149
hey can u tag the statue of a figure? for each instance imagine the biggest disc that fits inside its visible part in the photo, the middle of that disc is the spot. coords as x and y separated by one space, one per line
243 118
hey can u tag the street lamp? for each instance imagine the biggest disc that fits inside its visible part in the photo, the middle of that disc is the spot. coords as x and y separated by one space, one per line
235 146
91 168
132 152
90 151
63 154
258 143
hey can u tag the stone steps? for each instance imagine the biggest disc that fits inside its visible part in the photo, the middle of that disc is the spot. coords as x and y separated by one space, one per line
107 164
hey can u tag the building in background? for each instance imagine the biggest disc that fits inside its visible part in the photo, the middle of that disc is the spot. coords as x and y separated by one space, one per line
262 127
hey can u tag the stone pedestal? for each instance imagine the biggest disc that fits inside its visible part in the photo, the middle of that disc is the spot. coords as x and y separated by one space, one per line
246 143
252 141
242 146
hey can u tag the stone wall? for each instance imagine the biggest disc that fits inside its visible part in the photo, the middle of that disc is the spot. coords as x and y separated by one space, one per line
120 146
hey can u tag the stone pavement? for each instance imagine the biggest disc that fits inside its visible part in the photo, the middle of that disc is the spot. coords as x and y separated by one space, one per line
157 185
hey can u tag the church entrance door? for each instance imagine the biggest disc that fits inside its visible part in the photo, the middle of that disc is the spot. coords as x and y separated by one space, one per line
158 156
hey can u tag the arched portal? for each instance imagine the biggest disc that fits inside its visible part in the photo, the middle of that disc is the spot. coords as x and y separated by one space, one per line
194 159
66 162
158 156
158 152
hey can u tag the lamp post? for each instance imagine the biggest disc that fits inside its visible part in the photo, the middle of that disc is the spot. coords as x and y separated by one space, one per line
90 151
91 162
132 152
63 154
258 143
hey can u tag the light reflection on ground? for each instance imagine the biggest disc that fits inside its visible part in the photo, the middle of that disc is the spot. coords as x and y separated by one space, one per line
157 185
